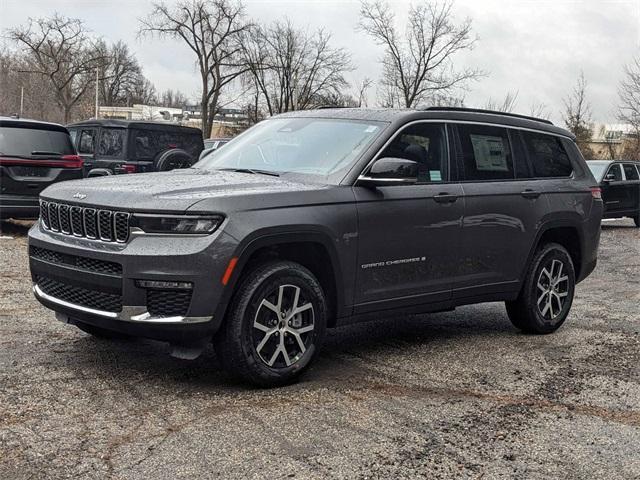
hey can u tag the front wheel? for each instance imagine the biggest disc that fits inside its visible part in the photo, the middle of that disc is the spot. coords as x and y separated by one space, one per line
275 325
546 296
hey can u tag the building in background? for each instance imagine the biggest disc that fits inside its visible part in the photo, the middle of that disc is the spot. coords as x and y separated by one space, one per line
611 140
228 122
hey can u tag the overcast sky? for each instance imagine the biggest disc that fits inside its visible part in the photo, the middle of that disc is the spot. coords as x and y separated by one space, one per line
535 48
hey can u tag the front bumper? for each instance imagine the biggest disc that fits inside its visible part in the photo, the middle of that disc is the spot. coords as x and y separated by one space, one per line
95 282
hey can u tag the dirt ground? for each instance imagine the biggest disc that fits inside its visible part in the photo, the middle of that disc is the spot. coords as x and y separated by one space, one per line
459 394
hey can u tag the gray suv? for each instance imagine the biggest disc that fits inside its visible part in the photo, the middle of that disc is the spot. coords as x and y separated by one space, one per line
315 219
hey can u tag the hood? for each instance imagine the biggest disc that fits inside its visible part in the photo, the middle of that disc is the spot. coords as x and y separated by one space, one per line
173 191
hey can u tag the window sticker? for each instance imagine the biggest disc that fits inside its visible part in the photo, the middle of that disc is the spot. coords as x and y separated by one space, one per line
489 153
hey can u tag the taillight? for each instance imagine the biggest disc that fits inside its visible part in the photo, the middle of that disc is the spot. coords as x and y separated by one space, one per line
596 192
66 161
129 168
72 161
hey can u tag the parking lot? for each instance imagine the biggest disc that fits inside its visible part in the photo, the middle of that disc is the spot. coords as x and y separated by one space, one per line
453 394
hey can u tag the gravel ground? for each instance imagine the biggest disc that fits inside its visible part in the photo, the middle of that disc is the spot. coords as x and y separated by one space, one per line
454 394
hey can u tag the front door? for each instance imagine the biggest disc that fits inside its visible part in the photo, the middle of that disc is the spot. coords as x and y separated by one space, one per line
408 235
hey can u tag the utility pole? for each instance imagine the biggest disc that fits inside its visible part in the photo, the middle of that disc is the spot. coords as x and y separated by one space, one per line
21 101
97 80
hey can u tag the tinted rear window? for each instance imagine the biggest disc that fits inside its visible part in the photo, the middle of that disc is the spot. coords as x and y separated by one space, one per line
24 141
547 155
149 143
111 142
630 171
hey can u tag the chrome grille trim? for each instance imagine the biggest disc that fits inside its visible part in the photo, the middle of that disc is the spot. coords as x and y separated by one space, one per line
59 218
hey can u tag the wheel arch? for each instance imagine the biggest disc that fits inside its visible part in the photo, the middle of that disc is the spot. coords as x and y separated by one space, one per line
566 232
312 249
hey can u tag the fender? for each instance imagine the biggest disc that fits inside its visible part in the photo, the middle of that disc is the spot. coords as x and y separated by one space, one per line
261 239
564 220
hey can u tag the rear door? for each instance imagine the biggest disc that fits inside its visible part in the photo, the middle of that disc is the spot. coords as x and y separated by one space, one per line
503 207
632 181
33 156
614 191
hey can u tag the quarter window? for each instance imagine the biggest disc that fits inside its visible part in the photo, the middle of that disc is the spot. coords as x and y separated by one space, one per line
423 143
547 155
630 171
486 153
111 141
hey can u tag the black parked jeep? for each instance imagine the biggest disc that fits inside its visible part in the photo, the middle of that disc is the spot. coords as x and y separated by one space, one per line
620 184
125 146
315 219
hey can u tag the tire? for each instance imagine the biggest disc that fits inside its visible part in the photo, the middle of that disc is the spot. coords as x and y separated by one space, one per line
636 220
173 159
102 333
538 289
256 354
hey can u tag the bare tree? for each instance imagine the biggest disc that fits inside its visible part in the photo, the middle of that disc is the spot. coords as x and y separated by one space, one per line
363 88
577 116
211 30
173 99
507 105
629 109
539 110
293 69
34 90
142 92
60 49
420 63
119 72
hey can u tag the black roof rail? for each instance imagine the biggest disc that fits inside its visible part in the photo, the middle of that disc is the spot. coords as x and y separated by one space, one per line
492 112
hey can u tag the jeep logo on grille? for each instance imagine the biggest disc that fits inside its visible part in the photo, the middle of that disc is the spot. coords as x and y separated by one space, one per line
79 196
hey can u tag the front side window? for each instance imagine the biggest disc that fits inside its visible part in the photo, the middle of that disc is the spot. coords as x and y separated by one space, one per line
547 155
314 146
486 153
425 144
111 142
630 171
86 143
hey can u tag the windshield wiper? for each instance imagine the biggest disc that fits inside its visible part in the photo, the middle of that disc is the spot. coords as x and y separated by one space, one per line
251 170
44 152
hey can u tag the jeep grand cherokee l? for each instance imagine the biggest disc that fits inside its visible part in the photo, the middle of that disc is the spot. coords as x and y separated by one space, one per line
33 155
315 219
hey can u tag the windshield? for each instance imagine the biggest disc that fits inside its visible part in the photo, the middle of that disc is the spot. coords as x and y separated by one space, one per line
315 146
597 169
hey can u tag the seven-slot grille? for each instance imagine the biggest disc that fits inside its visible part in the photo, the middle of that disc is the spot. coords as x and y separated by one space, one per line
105 225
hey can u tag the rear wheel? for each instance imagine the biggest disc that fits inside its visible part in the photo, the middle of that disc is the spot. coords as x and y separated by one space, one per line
636 219
547 294
275 325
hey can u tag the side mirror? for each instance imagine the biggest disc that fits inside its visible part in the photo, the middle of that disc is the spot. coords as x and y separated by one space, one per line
609 177
390 171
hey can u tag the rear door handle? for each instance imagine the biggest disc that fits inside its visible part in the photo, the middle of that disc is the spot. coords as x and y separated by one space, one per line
445 198
530 194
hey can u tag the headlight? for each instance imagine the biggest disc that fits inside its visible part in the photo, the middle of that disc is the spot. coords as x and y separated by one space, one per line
178 224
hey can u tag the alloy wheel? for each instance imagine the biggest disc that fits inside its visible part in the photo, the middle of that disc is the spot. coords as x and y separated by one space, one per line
283 327
552 289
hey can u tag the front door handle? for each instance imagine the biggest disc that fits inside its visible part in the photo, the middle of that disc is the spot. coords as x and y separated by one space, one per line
445 198
530 194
